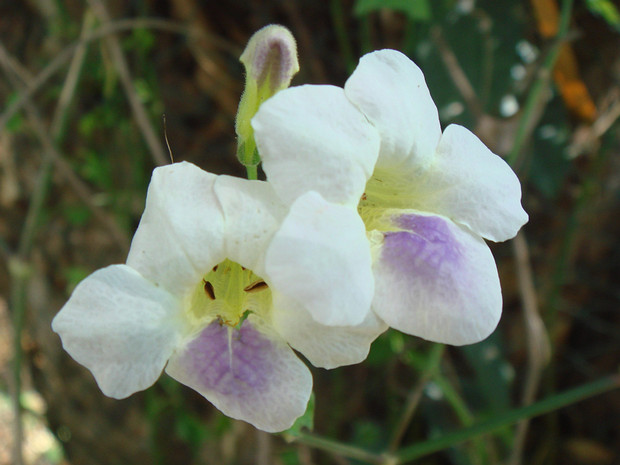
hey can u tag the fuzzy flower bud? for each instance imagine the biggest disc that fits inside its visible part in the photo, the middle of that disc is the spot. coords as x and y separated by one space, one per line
270 61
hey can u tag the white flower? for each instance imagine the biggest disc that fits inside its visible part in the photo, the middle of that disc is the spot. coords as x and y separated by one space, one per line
221 281
427 199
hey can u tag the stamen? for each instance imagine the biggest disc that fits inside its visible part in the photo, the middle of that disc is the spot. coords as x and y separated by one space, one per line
209 290
256 286
215 268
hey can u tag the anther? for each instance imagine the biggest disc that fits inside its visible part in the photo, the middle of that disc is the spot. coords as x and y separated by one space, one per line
256 286
209 290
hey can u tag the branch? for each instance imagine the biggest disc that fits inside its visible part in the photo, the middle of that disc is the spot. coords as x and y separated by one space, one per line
155 146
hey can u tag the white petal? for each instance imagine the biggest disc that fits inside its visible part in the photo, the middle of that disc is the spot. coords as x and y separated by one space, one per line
181 233
484 193
320 257
121 327
437 280
313 138
471 185
324 346
252 213
391 91
248 374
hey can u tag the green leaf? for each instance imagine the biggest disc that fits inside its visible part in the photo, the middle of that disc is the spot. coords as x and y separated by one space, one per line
607 10
419 10
549 404
306 421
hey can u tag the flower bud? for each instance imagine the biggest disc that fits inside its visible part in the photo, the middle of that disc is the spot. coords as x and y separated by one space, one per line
270 61
270 58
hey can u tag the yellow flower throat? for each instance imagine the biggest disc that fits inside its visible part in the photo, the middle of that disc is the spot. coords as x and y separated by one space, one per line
228 292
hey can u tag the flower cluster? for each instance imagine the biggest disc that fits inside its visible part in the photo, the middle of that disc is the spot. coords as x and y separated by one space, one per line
370 217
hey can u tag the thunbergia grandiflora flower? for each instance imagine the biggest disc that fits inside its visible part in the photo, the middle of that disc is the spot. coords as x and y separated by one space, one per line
222 279
428 200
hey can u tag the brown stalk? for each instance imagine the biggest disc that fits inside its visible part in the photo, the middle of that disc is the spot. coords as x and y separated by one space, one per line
120 62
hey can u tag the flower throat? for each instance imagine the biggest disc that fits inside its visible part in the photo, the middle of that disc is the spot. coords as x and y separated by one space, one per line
229 292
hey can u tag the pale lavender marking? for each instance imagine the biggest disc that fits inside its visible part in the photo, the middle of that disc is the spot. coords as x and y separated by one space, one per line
424 250
209 358
275 52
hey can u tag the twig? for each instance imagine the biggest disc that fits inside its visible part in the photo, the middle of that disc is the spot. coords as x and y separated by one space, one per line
19 268
538 348
534 104
19 277
111 28
497 133
304 455
120 62
413 399
263 448
586 137
63 168
457 74
71 81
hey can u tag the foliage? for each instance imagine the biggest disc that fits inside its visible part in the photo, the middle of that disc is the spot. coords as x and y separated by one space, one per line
191 74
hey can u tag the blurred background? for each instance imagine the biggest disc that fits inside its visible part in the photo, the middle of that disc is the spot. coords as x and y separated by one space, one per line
84 88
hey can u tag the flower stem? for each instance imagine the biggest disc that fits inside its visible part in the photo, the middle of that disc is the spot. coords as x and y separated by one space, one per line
343 450
252 171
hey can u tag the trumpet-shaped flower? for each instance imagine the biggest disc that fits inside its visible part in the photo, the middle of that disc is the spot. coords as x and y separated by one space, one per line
222 279
427 198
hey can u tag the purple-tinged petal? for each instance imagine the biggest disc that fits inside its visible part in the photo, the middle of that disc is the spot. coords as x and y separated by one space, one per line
469 184
246 373
437 280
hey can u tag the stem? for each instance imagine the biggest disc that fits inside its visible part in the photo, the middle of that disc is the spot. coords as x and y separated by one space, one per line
19 266
549 404
252 171
340 449
531 107
434 361
109 28
121 64
18 304
538 347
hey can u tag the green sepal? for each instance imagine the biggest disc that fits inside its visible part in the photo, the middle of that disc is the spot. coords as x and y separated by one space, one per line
304 422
